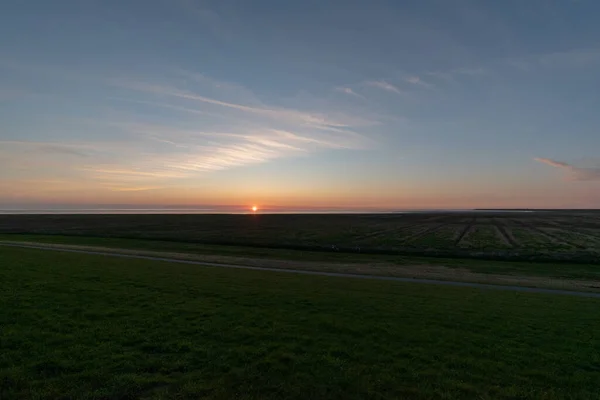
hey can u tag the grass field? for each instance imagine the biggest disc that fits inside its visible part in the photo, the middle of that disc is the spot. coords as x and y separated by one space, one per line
569 236
94 327
555 275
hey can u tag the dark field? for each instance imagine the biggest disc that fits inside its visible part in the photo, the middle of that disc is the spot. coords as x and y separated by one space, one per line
537 236
557 275
94 327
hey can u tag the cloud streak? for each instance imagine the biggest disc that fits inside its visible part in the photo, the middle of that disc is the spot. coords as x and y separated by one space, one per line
572 58
383 85
232 149
316 120
348 91
248 131
573 173
206 125
49 148
415 80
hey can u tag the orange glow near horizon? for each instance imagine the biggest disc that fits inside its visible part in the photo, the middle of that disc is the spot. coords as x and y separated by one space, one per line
254 208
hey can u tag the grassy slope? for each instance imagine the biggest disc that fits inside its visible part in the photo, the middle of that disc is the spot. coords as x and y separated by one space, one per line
79 326
375 234
553 270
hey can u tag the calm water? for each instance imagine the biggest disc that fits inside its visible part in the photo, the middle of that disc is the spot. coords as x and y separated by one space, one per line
235 211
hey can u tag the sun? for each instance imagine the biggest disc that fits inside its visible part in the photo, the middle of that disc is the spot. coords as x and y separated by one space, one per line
254 209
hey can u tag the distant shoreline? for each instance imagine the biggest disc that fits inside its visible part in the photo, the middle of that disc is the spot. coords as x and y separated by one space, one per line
241 212
173 211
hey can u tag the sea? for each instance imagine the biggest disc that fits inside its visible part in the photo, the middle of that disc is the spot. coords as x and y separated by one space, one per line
128 211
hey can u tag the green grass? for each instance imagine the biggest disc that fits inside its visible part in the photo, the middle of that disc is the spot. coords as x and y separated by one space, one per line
414 234
548 270
484 237
95 327
440 238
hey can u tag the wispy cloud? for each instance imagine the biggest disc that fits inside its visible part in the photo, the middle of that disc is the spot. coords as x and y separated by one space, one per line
73 149
415 80
571 58
455 75
474 71
316 120
231 149
138 172
383 85
240 93
573 173
237 130
348 91
135 188
137 165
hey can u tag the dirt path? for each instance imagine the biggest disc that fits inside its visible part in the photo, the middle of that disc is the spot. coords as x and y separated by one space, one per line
424 270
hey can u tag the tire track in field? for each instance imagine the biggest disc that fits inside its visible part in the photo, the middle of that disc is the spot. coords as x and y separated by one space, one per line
592 238
424 222
584 222
550 236
589 235
578 232
384 231
501 228
573 228
464 232
394 229
422 233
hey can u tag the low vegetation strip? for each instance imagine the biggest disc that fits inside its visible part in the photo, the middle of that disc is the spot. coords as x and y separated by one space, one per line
573 278
442 237
505 234
524 236
465 230
556 240
484 237
77 326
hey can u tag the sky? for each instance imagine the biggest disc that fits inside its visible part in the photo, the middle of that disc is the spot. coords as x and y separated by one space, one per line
329 104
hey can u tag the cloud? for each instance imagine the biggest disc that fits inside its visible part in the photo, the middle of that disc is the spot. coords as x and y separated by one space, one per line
229 89
553 163
238 130
415 80
62 149
384 86
573 173
136 173
184 138
348 91
475 71
73 149
135 164
134 188
230 149
454 75
315 120
569 59
573 58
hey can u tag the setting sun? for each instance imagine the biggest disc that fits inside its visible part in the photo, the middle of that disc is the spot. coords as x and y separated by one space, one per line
254 208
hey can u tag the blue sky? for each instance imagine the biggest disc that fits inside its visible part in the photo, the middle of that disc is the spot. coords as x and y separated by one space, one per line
384 104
